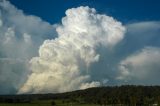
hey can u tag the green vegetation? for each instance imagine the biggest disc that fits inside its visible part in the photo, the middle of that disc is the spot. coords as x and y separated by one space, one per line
102 96
47 103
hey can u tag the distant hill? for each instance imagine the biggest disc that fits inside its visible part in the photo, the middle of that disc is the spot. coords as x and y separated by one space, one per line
128 94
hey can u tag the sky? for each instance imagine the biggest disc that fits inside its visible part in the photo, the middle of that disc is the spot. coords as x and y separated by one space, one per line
125 11
58 46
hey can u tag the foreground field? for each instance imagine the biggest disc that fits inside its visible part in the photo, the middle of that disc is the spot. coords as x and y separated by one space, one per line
46 103
25 104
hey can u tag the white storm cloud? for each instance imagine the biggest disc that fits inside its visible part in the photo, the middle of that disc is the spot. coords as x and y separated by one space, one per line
63 62
86 50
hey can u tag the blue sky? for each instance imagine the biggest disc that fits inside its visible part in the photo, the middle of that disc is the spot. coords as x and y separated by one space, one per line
70 46
125 11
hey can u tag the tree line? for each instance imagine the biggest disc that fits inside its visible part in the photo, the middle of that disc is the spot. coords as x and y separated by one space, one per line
129 95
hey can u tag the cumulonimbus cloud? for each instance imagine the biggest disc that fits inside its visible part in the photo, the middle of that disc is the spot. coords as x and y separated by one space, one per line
86 50
63 63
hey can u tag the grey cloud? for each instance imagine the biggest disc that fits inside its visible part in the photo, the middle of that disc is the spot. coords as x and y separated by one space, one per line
13 73
138 36
141 67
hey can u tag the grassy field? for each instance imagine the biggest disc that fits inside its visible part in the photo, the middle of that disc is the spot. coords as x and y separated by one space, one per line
45 103
30 104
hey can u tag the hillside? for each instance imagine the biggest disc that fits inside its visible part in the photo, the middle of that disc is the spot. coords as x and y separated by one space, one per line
128 95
